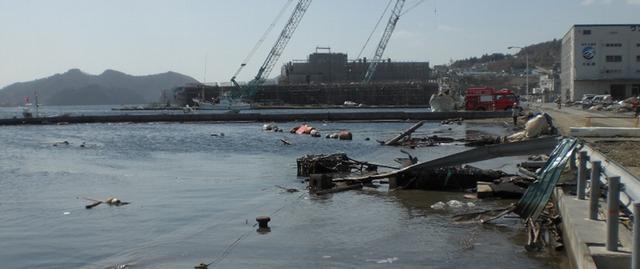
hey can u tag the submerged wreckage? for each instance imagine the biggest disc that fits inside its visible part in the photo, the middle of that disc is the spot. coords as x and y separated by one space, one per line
533 187
450 173
447 173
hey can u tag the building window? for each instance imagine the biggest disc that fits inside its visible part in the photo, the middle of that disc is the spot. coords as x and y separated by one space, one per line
615 45
586 32
614 58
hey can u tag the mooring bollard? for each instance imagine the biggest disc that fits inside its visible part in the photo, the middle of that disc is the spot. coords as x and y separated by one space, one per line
635 251
582 174
612 213
263 222
595 190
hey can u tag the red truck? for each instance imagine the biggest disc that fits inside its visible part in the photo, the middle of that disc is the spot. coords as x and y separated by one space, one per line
489 99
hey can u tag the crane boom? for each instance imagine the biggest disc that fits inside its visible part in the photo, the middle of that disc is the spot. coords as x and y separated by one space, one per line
282 41
391 25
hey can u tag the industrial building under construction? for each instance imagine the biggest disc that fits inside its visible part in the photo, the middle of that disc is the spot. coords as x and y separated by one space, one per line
330 79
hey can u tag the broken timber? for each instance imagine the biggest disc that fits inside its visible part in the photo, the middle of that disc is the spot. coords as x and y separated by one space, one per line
527 147
395 140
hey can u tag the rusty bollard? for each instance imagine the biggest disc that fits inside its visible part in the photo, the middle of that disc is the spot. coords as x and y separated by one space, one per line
263 224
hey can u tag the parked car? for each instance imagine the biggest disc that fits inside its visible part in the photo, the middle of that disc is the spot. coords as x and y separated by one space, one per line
604 99
586 100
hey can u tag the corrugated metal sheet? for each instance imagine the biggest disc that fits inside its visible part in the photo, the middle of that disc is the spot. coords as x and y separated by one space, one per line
538 194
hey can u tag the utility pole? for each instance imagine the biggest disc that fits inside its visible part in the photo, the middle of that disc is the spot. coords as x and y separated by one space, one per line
526 55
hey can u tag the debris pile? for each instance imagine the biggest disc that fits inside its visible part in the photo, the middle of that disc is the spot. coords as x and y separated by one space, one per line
337 163
453 178
606 103
536 126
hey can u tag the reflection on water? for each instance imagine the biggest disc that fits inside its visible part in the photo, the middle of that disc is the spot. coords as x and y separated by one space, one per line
194 194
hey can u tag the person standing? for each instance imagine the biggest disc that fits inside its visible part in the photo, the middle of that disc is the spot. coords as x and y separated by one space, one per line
634 105
515 112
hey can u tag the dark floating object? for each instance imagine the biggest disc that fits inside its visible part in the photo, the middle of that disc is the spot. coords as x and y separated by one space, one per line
202 266
112 201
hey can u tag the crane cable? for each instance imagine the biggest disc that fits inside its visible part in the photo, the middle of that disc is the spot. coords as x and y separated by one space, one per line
374 29
412 7
263 37
380 19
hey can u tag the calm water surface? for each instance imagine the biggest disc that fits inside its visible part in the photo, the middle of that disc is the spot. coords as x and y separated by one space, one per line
193 195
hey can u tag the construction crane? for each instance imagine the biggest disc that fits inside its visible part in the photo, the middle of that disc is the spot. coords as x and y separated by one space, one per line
396 12
276 51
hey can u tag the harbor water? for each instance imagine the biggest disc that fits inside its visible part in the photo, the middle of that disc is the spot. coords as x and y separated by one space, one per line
196 189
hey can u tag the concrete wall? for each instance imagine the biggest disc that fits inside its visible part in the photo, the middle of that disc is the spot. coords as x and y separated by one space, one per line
337 94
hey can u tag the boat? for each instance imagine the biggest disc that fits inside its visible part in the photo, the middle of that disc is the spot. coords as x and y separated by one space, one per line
224 102
27 111
442 102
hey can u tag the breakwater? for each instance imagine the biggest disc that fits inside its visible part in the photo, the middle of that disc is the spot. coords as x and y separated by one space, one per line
256 117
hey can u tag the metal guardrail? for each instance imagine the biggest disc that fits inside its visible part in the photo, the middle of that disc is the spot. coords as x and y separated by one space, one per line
610 168
623 189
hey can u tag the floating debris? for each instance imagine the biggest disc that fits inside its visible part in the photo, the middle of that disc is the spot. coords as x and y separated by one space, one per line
112 201
271 127
291 190
342 135
61 143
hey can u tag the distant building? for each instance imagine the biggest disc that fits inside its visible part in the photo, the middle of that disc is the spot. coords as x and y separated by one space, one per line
549 85
327 67
601 59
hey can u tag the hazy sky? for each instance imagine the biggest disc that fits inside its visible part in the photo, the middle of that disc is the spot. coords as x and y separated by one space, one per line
41 38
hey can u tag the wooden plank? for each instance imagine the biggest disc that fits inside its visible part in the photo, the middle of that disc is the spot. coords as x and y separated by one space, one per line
409 131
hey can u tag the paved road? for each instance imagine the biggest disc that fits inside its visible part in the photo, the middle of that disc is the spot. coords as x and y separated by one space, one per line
622 150
568 117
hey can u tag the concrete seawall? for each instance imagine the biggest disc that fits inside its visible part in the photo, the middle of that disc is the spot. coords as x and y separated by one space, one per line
257 117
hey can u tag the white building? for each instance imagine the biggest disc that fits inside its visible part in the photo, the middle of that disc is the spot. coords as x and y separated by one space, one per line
601 59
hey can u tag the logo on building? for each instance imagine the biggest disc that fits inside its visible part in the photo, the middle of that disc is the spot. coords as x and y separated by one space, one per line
588 53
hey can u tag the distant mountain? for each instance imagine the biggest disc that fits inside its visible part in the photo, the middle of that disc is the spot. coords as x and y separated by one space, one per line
545 55
75 87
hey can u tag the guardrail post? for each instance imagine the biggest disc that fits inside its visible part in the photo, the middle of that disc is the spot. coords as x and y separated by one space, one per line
582 174
635 251
613 199
594 199
572 160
